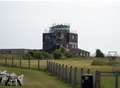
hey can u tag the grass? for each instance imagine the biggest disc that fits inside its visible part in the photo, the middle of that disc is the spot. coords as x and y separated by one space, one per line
109 82
87 63
36 79
46 81
75 62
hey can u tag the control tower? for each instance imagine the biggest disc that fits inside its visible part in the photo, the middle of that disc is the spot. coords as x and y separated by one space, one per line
59 36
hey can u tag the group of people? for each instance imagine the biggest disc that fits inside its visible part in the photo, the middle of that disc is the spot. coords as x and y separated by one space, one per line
10 79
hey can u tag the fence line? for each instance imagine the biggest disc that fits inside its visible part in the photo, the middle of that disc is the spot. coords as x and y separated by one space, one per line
19 61
68 74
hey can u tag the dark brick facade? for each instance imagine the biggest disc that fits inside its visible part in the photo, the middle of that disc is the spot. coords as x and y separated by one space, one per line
60 36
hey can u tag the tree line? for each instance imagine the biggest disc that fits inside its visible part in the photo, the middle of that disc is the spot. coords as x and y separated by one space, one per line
60 53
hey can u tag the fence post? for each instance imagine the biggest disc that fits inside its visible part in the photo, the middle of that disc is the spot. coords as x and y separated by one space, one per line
5 60
75 76
97 79
51 63
59 71
81 71
70 75
51 67
29 63
116 80
38 64
88 71
55 68
47 65
20 61
66 73
62 67
12 61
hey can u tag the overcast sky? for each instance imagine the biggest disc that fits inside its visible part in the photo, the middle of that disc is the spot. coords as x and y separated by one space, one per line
97 22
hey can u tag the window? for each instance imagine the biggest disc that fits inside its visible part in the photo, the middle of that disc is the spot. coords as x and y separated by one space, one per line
73 37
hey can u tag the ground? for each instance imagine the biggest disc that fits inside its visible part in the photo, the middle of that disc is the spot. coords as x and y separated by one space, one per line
36 79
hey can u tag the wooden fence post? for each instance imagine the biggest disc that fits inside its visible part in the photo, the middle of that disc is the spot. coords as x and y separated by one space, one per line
20 61
5 60
62 67
97 79
75 76
116 79
59 71
70 75
50 66
53 67
66 77
56 69
47 66
29 63
88 71
12 61
38 64
81 71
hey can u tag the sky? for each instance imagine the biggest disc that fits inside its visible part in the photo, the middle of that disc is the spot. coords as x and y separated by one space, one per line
97 22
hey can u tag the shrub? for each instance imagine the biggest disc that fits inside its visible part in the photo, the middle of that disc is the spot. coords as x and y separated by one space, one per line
41 55
68 55
57 54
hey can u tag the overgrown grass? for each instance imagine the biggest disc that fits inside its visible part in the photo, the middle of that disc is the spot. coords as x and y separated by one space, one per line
102 62
88 63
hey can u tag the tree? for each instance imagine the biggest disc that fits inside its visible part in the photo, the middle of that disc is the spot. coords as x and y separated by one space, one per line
99 53
57 54
41 55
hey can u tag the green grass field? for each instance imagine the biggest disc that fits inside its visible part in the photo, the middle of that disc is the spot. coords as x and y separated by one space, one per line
75 62
46 81
87 63
36 79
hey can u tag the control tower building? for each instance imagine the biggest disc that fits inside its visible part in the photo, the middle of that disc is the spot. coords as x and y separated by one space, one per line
60 36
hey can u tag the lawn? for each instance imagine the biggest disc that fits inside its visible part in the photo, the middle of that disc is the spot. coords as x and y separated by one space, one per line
36 79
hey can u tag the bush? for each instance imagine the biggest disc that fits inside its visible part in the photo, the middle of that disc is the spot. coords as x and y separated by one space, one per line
41 55
68 55
57 54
